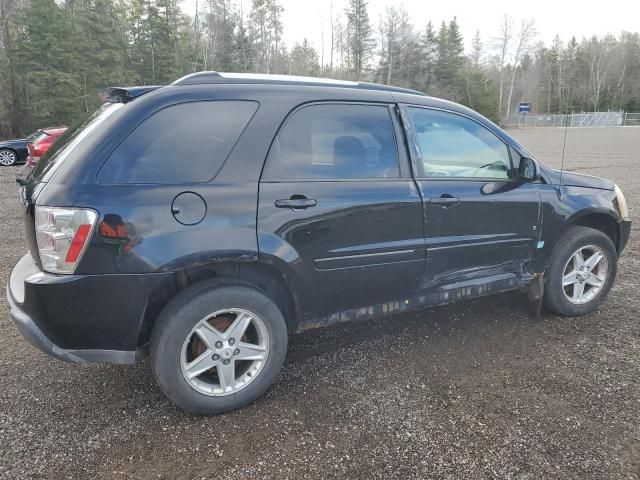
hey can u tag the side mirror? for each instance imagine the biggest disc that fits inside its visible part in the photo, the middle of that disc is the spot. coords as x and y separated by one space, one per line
527 170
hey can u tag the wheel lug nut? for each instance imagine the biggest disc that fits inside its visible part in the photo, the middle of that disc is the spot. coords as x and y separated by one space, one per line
218 344
236 351
215 356
226 362
232 341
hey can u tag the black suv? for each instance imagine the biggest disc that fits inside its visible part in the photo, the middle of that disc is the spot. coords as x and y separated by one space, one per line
206 220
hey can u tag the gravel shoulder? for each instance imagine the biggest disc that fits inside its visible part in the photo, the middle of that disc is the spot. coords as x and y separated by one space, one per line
474 390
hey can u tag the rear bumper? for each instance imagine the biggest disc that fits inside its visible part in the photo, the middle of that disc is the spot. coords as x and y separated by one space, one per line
81 318
32 334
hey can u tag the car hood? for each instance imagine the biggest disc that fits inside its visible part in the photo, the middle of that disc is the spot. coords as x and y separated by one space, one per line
574 179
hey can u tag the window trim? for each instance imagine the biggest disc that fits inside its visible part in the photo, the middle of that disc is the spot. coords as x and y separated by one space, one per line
403 160
171 105
413 146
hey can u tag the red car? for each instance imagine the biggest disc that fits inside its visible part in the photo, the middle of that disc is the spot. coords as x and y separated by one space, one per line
42 142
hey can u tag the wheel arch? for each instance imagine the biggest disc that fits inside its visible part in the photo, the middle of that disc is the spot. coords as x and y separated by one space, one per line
261 276
602 221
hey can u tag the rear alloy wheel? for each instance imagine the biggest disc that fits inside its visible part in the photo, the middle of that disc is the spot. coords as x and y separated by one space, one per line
8 157
217 347
225 352
581 271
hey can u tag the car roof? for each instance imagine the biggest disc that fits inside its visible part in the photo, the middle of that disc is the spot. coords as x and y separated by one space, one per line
297 89
267 82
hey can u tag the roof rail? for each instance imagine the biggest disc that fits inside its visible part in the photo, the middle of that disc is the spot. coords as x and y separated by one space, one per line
210 77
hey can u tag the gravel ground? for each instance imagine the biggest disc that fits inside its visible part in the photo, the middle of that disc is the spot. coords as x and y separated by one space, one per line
475 390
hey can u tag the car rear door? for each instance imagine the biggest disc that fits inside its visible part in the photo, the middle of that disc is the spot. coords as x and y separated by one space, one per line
338 205
481 223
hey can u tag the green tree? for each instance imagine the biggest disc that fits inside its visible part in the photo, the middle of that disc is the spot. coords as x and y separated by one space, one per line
221 23
303 60
265 26
45 52
449 61
360 33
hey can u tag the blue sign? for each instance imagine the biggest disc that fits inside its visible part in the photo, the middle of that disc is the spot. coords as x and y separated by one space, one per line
524 107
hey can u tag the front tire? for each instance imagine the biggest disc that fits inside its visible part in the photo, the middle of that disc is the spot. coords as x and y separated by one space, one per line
217 347
7 157
581 271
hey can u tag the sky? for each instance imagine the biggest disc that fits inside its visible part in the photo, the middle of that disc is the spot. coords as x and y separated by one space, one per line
567 18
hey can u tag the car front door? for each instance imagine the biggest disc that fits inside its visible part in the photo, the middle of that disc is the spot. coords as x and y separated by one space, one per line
338 205
482 223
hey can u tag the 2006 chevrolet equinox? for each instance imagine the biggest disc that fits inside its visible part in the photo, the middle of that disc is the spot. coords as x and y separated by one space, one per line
204 221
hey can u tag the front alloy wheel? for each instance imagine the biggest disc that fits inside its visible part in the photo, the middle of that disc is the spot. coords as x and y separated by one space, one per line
581 271
7 157
584 274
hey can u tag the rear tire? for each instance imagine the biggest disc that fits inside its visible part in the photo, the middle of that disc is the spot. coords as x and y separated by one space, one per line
237 367
581 271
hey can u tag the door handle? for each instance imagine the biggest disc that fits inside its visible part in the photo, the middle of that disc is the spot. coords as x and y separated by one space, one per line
297 202
445 201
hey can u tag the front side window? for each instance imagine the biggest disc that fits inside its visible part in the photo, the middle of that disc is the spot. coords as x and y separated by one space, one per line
451 145
335 141
184 143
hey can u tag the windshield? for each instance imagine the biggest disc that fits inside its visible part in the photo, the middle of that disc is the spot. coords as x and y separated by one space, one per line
61 149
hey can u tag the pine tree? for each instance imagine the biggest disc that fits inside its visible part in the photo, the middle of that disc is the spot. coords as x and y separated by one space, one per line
429 53
266 31
303 60
361 41
47 60
449 61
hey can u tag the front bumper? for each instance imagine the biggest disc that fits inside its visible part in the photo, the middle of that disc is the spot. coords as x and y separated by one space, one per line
623 234
81 318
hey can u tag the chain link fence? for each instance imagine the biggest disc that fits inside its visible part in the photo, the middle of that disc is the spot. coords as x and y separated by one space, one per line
575 120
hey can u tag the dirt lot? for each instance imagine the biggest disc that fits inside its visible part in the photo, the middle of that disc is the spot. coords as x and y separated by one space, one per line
475 390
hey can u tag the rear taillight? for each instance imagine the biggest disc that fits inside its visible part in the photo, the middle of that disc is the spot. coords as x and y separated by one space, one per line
41 146
62 235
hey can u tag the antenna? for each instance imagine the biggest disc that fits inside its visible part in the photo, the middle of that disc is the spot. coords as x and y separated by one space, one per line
564 146
564 142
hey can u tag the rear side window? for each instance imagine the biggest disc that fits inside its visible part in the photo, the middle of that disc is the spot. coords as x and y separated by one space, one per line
184 143
335 141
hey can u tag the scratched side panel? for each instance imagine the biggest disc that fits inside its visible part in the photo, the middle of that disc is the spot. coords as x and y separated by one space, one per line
362 243
493 230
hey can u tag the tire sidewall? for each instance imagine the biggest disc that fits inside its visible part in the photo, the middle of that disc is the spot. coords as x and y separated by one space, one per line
178 319
571 241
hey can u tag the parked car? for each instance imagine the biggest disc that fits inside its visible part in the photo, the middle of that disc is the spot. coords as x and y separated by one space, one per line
13 152
37 147
205 221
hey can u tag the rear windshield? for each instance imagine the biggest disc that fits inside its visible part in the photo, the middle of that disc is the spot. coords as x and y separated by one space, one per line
32 138
61 149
